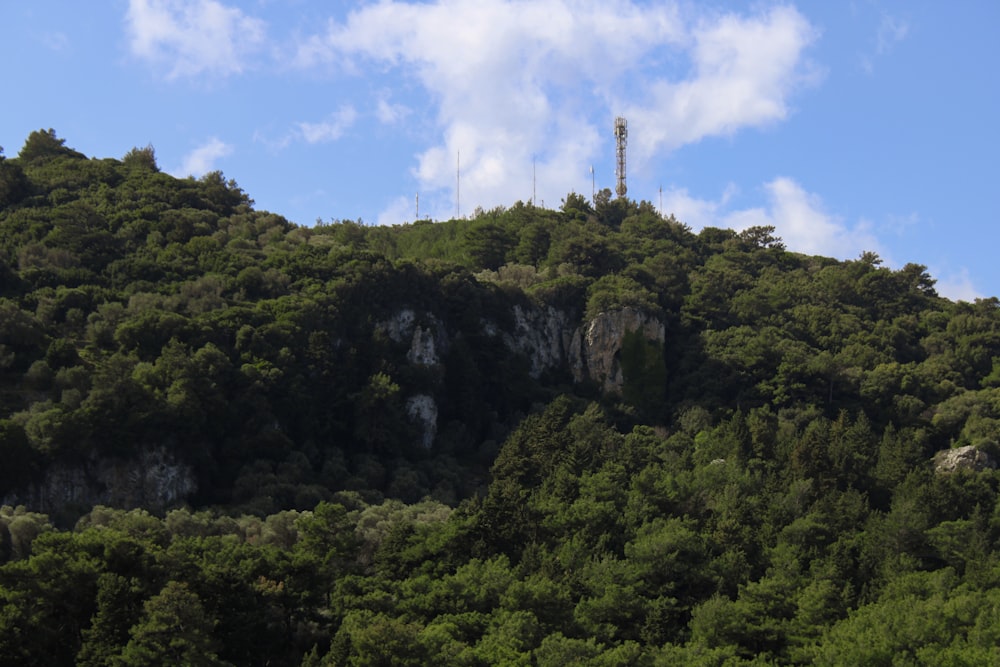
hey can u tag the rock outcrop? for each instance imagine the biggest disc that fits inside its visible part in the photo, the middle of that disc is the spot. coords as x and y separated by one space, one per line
963 458
426 342
543 336
596 346
423 410
154 479
399 327
549 338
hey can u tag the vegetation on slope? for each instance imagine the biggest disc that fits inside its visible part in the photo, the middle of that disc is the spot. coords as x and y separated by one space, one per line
766 499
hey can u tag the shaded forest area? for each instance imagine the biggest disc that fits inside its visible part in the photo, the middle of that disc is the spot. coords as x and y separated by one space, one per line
760 491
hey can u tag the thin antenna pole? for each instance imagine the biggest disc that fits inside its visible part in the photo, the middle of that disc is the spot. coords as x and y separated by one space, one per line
593 186
417 215
458 184
661 201
533 191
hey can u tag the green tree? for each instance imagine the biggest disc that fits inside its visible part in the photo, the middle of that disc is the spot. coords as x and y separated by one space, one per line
144 158
42 144
119 603
487 245
14 185
174 630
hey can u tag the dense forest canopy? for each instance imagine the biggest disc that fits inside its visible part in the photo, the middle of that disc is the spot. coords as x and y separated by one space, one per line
374 463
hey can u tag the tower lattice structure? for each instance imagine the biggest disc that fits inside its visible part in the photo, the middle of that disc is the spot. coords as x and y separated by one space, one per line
621 137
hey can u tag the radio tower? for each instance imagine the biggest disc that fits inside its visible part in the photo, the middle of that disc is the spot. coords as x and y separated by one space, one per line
621 135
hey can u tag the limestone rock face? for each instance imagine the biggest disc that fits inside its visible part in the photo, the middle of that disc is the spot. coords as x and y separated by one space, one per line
549 338
426 342
399 327
154 480
594 351
544 336
423 350
963 458
423 410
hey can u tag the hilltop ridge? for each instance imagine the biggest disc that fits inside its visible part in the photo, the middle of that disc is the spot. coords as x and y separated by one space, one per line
528 435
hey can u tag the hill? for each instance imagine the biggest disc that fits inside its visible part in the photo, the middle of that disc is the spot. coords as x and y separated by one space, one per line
534 436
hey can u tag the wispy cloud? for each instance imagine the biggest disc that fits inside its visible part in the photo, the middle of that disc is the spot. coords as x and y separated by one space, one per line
799 218
804 224
955 285
202 160
192 37
891 31
55 41
515 83
389 113
330 129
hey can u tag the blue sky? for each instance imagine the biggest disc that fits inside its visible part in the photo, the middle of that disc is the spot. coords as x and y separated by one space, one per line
850 126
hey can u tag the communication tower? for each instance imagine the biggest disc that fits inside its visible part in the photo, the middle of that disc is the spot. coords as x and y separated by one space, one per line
621 136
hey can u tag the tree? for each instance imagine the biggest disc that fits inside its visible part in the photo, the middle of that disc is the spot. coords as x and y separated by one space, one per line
42 144
141 157
174 631
576 207
327 538
761 237
118 604
14 184
487 245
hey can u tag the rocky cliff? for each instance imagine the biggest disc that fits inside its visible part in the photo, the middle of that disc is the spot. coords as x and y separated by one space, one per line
549 339
595 351
154 480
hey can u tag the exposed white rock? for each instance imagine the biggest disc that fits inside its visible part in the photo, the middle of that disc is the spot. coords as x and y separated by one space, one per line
963 458
594 351
423 409
543 336
427 343
399 326
422 348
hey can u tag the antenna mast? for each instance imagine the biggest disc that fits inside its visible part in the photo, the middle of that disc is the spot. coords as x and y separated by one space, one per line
621 136
533 191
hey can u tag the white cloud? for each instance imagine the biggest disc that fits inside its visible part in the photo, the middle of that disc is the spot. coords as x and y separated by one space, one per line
514 81
389 113
193 36
805 227
700 213
330 129
202 159
891 31
956 285
745 69
400 209
798 217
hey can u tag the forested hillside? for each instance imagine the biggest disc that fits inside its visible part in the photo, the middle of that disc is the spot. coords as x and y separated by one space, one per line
541 437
